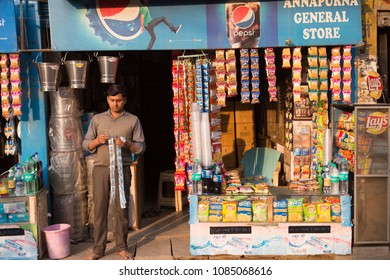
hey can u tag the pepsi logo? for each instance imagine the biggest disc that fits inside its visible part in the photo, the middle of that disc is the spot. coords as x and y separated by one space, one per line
120 18
243 17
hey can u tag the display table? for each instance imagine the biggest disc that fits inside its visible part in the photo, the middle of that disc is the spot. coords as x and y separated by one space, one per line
271 238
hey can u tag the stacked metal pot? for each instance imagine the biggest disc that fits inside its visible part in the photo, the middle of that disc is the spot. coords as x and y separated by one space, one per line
67 169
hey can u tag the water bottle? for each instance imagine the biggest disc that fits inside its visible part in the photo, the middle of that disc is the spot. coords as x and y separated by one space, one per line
29 176
217 179
20 190
197 178
334 179
343 176
11 182
326 189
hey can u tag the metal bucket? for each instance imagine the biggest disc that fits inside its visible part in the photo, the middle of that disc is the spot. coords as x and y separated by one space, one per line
63 103
108 68
77 72
65 134
48 73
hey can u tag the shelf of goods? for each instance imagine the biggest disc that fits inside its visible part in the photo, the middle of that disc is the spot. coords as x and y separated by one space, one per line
28 213
282 222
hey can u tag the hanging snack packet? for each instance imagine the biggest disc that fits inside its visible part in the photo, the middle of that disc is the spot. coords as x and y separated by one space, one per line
313 51
245 96
14 60
6 110
3 60
16 97
286 56
15 74
4 73
17 110
219 55
244 52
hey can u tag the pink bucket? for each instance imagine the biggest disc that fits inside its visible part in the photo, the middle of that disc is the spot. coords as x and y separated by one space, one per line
58 240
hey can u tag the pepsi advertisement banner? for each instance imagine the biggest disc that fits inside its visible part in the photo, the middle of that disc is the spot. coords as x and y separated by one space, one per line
177 25
8 36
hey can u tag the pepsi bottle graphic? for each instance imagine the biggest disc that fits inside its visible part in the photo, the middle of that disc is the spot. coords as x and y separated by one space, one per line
243 24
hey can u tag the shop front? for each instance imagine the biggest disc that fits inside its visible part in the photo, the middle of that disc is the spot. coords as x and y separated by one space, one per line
211 81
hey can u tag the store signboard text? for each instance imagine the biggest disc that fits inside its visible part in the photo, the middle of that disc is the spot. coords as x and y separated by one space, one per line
321 21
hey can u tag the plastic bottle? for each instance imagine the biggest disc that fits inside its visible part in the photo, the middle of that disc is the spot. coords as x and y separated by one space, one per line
217 179
197 177
29 176
326 189
343 176
334 179
207 180
35 160
37 171
11 182
20 189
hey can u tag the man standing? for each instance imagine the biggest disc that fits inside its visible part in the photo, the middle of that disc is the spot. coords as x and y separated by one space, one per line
113 136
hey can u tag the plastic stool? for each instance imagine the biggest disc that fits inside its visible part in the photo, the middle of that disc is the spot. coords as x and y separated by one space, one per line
176 199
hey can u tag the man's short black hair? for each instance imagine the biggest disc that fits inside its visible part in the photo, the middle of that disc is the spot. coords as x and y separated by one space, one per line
115 89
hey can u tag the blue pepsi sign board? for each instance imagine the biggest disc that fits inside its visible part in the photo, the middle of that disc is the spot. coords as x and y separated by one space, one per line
130 25
8 36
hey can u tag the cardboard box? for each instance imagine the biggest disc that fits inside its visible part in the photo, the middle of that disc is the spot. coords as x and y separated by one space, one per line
244 113
245 134
228 134
229 157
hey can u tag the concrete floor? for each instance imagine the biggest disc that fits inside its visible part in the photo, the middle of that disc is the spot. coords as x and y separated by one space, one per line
166 237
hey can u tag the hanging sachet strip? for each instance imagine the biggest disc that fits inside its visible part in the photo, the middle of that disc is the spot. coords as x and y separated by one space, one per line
116 150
